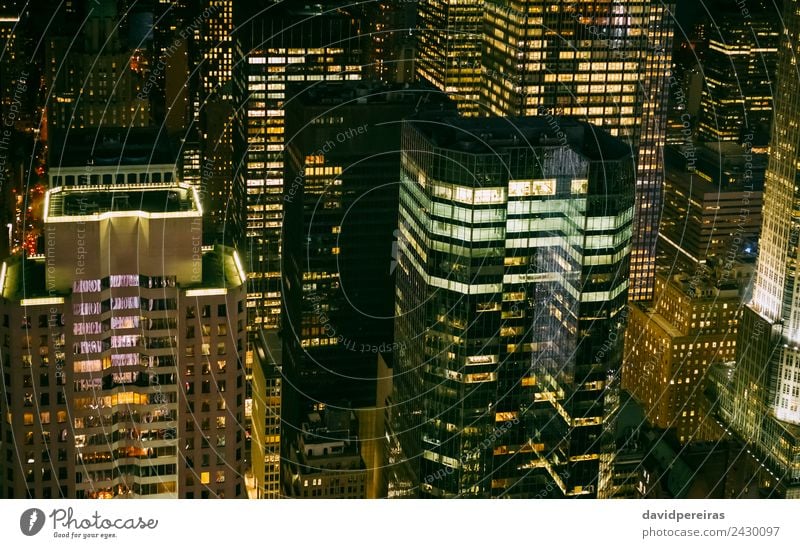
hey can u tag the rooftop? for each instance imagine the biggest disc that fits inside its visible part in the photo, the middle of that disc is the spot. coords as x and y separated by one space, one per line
361 92
23 279
222 268
153 199
296 24
268 349
497 134
715 167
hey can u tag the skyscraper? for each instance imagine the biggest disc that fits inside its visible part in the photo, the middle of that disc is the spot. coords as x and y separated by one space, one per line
9 57
765 405
671 344
275 45
512 271
604 62
341 199
738 72
120 351
706 256
449 41
216 48
100 81
267 349
390 26
705 189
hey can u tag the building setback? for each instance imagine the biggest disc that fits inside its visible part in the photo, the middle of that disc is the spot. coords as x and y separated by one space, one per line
672 342
325 461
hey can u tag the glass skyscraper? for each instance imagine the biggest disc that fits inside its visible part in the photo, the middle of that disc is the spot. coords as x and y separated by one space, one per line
514 240
449 49
738 72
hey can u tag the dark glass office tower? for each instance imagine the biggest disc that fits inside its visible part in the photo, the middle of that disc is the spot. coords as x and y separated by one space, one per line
604 62
765 405
340 232
512 271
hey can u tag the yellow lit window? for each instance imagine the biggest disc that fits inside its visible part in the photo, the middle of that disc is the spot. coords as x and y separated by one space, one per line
528 381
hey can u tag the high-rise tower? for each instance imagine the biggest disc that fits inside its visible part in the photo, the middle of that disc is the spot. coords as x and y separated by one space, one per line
274 47
120 349
765 405
604 62
738 71
449 36
511 273
341 200
98 81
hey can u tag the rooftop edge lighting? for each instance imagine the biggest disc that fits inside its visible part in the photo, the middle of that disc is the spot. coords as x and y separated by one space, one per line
39 301
206 292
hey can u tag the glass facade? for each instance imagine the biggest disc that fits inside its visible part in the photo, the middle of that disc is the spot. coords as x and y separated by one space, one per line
449 49
512 269
738 71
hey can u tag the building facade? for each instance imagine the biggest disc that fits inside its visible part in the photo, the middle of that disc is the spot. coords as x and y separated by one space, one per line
325 461
712 205
512 270
765 407
340 229
99 82
739 72
604 62
449 43
671 344
266 353
121 370
272 49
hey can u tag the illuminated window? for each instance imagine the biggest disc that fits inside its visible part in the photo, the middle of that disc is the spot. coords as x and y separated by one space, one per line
580 186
